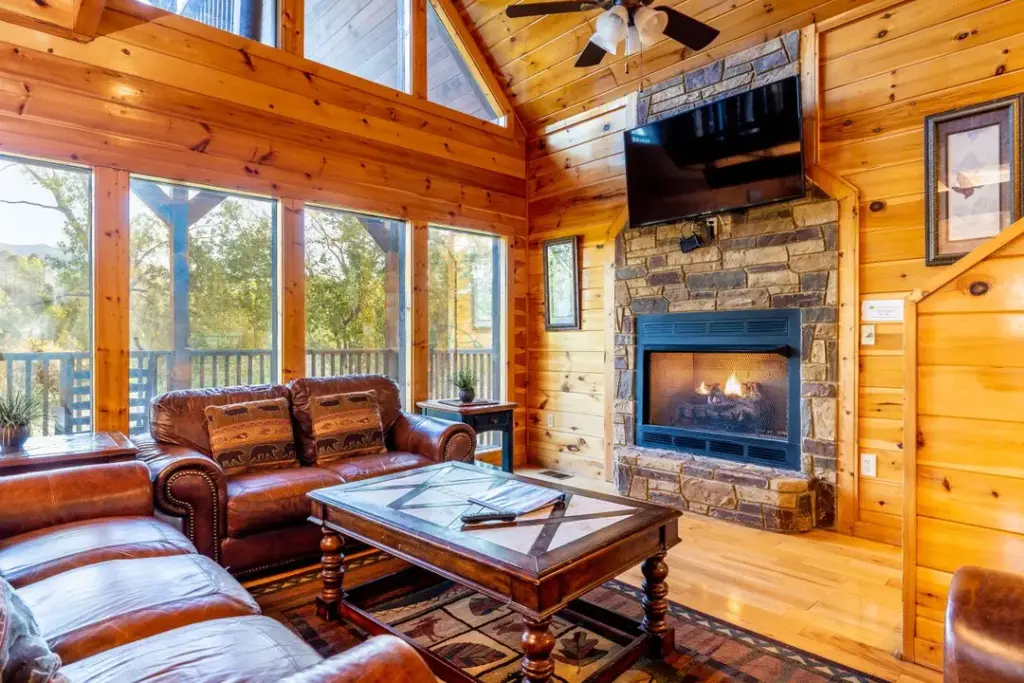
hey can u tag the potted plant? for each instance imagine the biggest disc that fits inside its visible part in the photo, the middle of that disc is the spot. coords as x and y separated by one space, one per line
465 381
17 412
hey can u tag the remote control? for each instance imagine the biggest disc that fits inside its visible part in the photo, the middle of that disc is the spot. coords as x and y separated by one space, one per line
495 516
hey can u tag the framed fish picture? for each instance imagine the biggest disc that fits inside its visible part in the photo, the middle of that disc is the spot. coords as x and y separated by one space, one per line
972 174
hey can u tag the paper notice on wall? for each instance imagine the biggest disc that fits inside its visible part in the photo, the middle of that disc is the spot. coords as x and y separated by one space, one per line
882 311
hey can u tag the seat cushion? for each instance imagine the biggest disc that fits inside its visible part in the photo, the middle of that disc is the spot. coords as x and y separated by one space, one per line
37 555
367 466
251 649
101 606
269 499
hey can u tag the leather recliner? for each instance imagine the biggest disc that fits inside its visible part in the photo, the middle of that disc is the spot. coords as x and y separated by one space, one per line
257 520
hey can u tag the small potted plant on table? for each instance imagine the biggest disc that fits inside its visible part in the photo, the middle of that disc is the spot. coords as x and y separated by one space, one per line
465 381
17 412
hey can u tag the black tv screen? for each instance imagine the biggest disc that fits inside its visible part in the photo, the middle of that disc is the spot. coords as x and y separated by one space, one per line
740 151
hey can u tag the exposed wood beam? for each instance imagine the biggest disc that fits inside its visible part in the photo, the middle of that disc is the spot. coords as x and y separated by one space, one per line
292 279
111 265
292 27
87 20
416 75
418 314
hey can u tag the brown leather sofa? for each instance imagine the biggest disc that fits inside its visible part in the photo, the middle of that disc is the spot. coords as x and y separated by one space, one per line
985 627
256 521
123 597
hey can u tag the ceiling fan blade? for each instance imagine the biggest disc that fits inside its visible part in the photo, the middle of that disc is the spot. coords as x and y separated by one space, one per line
592 55
694 34
536 9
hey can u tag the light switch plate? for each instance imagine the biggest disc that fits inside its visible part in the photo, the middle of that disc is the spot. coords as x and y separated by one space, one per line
551 420
868 465
867 335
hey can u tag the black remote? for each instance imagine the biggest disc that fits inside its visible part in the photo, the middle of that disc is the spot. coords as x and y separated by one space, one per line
495 516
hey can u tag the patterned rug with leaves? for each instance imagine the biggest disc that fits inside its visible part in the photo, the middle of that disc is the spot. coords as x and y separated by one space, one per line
481 636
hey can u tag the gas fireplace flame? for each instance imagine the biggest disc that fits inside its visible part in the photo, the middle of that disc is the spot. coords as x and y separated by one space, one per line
703 389
733 386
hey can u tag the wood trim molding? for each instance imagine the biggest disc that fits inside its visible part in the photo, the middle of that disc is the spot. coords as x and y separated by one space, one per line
87 18
291 277
909 479
810 93
111 261
616 226
291 27
848 290
416 74
858 13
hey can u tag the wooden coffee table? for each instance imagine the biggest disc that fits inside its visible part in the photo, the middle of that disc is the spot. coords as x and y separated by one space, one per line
69 450
538 565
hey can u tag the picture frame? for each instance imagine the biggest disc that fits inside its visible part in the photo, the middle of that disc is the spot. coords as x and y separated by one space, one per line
972 171
561 284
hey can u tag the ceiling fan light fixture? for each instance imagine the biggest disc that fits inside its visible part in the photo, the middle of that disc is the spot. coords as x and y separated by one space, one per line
633 44
611 28
650 24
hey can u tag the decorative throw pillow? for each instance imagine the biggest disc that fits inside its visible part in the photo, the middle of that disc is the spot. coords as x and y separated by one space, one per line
253 435
24 655
346 424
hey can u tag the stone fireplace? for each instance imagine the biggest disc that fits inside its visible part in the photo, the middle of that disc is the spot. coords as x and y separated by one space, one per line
726 356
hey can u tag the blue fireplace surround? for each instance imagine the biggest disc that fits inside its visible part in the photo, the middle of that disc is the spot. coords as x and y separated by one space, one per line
761 331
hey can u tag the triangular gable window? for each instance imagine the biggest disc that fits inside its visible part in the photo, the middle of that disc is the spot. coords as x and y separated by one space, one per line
452 79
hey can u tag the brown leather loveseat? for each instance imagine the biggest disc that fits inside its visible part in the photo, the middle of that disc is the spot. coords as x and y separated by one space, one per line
123 597
985 627
257 520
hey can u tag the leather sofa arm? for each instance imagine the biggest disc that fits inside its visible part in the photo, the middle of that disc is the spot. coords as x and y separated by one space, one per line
41 499
384 659
439 440
985 627
190 485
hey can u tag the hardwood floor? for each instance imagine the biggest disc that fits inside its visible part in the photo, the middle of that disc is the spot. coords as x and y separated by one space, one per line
830 594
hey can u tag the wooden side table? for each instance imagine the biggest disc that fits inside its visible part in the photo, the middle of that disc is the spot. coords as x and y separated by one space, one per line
53 452
487 417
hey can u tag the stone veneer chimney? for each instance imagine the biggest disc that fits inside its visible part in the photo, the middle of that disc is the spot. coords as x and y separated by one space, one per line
782 255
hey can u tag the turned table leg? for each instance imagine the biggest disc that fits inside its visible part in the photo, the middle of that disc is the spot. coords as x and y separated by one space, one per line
331 574
655 622
537 642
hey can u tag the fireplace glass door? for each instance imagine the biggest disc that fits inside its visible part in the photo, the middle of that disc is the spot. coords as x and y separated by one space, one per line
727 392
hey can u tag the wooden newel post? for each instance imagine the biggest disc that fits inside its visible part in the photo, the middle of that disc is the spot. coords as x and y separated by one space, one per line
655 601
332 573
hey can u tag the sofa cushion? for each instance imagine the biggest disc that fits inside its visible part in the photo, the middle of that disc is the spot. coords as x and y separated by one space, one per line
251 435
346 425
367 466
101 606
269 499
304 389
24 655
251 649
179 417
31 557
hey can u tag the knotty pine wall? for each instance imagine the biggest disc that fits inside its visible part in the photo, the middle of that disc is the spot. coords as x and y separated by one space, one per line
165 96
880 76
577 186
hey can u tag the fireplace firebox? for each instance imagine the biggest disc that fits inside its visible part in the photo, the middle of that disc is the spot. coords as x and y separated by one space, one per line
724 384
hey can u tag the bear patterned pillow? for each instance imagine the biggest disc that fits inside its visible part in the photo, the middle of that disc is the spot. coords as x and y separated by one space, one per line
252 435
346 424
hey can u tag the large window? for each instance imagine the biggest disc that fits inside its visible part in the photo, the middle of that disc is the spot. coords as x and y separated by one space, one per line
46 291
255 19
464 281
355 299
362 37
450 79
203 282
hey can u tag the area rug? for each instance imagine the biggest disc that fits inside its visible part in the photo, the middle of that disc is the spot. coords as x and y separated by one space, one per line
482 636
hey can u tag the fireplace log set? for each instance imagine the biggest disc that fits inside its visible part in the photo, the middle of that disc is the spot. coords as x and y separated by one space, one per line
747 412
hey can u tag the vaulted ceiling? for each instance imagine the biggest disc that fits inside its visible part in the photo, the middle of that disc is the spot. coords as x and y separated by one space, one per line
534 57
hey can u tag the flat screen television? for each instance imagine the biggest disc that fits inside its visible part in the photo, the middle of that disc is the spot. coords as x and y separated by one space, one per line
738 152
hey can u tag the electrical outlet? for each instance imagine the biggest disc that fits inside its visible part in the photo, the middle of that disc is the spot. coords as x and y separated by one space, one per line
551 420
867 335
868 465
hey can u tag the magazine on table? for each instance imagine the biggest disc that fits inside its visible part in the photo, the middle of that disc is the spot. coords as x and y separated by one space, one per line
517 498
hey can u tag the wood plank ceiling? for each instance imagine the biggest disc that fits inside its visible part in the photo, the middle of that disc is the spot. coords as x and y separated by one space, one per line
534 56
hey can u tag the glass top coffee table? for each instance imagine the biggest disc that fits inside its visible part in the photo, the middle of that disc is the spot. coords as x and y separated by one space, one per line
538 565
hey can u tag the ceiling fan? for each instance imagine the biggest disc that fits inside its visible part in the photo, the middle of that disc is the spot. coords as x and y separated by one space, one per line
630 20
